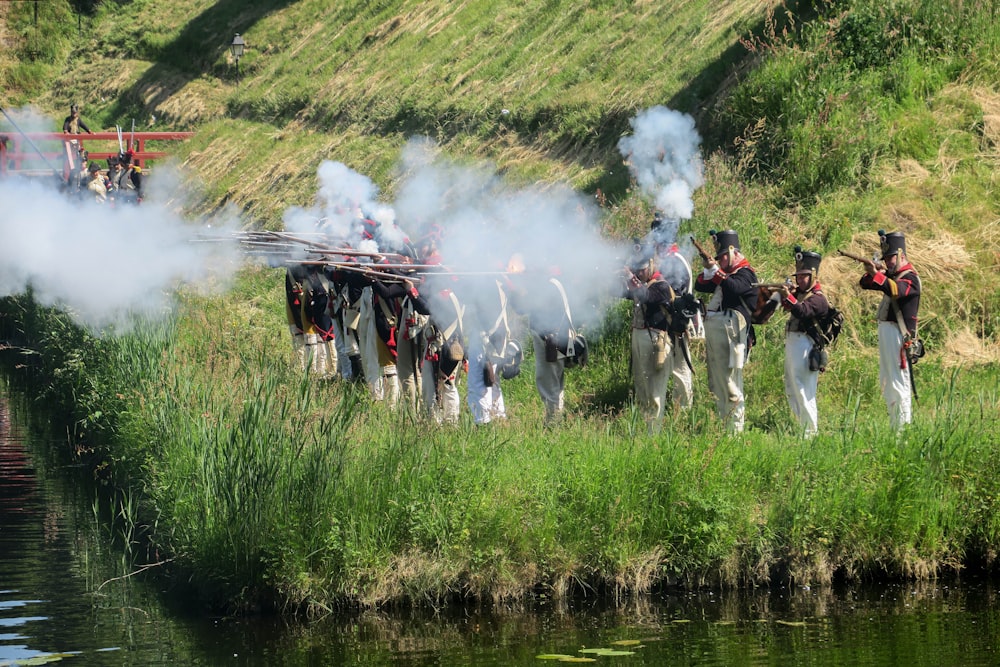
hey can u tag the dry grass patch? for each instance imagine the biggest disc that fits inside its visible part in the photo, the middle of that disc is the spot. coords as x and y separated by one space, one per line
964 348
941 259
640 573
989 102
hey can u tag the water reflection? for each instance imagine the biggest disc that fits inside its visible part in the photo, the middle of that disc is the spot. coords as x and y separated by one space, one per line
66 593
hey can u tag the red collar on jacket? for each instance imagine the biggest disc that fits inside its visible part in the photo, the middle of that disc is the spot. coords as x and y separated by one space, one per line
900 269
739 265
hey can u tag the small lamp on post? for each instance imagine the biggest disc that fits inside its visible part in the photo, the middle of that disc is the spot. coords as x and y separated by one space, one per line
236 48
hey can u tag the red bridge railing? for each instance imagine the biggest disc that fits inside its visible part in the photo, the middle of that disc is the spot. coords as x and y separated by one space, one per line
18 148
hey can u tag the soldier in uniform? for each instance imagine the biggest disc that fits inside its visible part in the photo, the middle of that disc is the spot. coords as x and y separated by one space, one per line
96 185
729 278
442 351
676 270
805 304
295 276
541 297
489 333
652 297
376 331
899 284
345 295
317 324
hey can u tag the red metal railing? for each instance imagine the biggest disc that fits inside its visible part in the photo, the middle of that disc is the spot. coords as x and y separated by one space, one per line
13 153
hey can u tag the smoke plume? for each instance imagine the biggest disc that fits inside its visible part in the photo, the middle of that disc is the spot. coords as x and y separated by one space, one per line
663 156
103 264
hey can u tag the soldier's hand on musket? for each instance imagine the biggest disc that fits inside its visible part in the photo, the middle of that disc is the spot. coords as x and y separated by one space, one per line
409 286
630 278
870 267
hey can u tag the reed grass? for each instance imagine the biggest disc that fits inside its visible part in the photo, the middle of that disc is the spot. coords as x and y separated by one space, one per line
268 488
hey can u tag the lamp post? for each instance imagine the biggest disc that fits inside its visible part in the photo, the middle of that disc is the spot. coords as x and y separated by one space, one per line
236 48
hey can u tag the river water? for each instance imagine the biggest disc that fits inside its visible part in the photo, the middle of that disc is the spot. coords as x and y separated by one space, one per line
66 595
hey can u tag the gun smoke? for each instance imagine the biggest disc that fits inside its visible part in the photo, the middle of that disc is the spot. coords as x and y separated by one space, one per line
103 265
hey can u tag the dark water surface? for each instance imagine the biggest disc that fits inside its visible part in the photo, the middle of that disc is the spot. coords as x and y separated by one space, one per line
65 596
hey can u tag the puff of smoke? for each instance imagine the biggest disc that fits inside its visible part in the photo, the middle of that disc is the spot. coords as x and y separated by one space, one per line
344 200
485 221
106 266
663 156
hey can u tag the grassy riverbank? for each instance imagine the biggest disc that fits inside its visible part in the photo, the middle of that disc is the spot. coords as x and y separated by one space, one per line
269 489
266 489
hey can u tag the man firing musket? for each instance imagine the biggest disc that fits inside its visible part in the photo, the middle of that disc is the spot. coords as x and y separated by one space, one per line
729 278
874 261
898 345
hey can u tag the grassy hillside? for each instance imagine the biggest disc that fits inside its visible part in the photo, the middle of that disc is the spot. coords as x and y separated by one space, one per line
353 79
821 124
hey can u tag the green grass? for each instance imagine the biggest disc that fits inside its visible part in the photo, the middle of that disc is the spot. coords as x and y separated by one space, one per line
268 488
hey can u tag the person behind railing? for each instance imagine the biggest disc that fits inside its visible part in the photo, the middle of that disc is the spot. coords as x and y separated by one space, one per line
96 185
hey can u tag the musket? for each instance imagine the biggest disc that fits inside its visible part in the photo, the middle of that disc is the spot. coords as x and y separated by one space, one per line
349 252
858 258
772 286
467 273
359 269
384 267
131 139
701 251
629 275
28 139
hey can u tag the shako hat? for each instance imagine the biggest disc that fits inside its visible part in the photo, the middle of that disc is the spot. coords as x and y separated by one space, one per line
642 257
725 241
891 243
807 261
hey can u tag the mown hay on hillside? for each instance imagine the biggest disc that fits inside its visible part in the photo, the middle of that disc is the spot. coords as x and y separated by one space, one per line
964 348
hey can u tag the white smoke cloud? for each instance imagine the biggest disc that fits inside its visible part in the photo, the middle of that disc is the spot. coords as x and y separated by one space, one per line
664 157
484 222
103 264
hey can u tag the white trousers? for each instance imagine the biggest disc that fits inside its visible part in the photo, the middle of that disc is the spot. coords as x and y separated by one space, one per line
550 381
894 375
485 403
368 344
440 394
408 356
346 346
725 352
649 377
299 346
800 382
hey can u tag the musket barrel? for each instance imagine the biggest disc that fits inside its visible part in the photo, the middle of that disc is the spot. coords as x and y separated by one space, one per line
856 258
701 251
